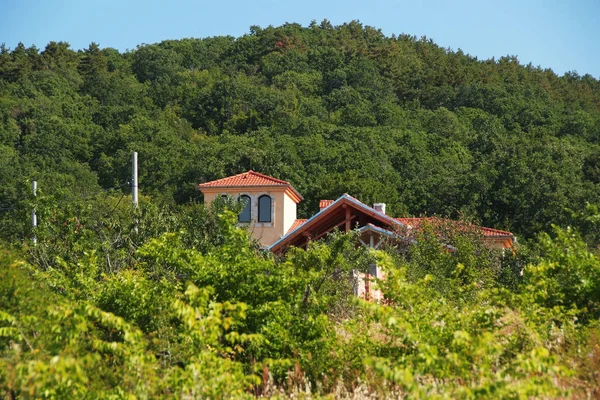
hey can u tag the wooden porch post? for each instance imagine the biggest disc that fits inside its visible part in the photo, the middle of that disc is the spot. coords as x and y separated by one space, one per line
348 225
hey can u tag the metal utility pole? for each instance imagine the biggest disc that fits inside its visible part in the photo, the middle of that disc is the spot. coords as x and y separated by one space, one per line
134 185
134 179
33 214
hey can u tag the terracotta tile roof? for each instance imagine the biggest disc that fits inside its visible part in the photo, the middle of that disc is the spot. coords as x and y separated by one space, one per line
489 232
249 178
324 203
296 224
486 232
412 222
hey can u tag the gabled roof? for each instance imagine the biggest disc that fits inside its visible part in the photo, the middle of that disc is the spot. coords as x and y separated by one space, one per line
249 179
321 218
371 220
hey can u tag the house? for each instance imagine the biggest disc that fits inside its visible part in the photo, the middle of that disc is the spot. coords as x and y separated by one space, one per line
270 212
270 203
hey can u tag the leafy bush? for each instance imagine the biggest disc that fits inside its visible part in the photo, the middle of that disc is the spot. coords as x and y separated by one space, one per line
567 274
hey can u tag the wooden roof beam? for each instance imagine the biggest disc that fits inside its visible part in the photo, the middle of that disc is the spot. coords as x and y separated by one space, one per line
346 221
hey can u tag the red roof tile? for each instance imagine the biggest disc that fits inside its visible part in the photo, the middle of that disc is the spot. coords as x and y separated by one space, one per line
412 222
324 203
487 232
249 178
296 224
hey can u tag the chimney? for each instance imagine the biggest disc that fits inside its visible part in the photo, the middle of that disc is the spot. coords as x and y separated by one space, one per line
323 204
379 207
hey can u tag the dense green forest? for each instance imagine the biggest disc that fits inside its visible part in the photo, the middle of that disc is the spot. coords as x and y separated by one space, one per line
173 299
339 109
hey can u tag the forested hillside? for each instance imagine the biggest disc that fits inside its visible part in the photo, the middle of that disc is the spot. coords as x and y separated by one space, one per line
338 109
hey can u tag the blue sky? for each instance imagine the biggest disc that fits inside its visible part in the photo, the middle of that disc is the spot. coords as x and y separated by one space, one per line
562 35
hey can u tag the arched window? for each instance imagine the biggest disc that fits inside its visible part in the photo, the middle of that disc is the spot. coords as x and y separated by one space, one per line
221 201
264 208
246 214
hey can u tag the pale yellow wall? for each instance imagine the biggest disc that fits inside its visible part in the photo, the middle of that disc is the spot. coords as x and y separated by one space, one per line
283 211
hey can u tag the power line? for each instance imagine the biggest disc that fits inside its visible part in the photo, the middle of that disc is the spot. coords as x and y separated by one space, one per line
115 207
